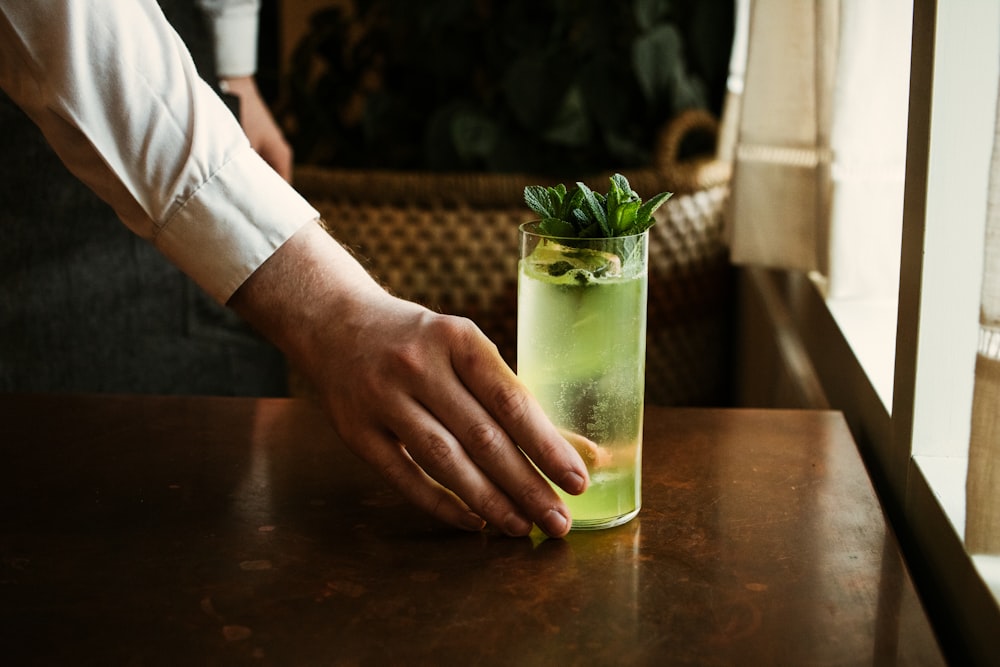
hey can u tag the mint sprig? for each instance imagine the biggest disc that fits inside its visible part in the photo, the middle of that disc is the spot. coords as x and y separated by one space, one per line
583 213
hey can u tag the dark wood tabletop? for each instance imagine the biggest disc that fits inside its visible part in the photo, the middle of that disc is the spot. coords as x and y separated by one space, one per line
224 531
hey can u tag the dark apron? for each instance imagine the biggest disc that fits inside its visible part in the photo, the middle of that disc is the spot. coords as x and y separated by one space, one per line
87 306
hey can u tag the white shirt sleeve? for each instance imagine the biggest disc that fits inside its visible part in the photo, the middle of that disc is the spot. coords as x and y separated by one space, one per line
234 25
115 93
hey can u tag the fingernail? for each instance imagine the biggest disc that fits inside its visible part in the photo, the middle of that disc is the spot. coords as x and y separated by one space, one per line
472 521
516 525
555 523
573 483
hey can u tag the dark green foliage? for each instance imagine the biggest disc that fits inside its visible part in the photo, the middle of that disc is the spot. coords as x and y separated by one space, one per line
546 86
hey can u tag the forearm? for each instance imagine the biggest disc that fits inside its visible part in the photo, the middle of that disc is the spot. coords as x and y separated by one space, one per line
261 129
117 96
307 290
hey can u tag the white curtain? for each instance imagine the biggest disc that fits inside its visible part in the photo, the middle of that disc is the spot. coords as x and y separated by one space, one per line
815 125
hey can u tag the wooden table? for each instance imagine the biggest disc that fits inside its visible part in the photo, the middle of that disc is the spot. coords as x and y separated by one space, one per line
214 531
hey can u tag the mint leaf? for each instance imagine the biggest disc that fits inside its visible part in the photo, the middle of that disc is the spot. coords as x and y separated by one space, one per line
557 196
621 184
584 213
594 208
622 203
644 216
571 204
557 227
625 218
539 200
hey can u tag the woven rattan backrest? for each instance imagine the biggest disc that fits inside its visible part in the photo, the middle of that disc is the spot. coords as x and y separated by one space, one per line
457 260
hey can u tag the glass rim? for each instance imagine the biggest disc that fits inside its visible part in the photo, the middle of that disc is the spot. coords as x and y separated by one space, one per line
523 228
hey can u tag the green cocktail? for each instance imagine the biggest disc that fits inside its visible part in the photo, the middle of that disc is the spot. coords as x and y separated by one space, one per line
581 352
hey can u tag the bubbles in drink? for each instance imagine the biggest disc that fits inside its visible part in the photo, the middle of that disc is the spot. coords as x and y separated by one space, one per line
581 351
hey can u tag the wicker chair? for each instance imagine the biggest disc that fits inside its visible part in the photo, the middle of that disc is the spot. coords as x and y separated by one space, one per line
449 241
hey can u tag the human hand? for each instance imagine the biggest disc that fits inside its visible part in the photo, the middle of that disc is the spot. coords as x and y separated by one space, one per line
424 398
259 125
428 402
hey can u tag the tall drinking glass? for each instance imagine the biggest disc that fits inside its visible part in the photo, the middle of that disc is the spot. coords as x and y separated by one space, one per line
581 350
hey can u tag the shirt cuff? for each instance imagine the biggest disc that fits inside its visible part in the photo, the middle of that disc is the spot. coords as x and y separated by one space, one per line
232 224
235 35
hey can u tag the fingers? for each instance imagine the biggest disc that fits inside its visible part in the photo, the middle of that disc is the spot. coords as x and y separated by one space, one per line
494 428
520 416
467 452
405 475
430 403
593 455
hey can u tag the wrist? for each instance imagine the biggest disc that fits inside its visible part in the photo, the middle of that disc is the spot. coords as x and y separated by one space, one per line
238 85
308 296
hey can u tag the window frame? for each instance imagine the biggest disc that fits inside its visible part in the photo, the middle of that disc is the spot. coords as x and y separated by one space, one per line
917 452
955 60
